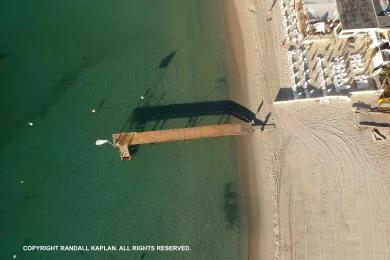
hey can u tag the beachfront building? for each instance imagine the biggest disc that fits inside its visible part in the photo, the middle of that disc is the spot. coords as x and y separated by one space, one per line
381 59
324 63
321 16
347 18
362 17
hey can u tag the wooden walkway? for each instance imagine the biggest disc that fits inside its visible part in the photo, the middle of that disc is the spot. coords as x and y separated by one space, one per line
123 140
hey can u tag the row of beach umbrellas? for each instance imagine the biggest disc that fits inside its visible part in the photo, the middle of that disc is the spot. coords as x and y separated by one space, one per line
297 59
340 75
289 21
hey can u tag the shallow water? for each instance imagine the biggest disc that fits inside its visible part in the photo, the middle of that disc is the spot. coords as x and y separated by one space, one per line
61 59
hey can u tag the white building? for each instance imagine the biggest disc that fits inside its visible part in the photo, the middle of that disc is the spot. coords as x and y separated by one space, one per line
357 17
360 17
320 10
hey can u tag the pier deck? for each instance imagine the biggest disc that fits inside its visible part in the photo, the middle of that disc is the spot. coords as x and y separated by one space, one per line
123 140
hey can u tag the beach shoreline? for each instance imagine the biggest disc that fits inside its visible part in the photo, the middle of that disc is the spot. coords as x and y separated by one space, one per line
238 92
254 80
298 179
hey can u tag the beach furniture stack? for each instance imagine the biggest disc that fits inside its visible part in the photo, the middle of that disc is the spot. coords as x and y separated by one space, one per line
290 55
306 89
297 58
299 71
289 22
304 69
357 68
357 64
293 71
361 81
321 74
303 54
340 75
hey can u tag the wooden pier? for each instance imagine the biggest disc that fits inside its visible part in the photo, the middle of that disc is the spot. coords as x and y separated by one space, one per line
124 140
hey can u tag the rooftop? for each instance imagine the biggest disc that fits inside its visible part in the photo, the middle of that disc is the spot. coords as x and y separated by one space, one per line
360 14
320 10
356 14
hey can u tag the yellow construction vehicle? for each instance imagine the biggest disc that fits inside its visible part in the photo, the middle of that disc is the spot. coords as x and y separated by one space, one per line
384 100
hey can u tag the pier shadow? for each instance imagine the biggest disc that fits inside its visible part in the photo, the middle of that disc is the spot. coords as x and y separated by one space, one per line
267 117
12 127
134 149
150 94
260 106
101 103
65 82
194 110
167 60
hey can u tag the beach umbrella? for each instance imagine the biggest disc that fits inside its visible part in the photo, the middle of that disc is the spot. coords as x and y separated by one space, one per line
323 84
305 84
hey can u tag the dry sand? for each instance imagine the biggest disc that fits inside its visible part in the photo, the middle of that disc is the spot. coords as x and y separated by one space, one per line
316 186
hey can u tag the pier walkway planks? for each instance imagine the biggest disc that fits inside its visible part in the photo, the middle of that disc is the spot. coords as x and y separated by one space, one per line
122 140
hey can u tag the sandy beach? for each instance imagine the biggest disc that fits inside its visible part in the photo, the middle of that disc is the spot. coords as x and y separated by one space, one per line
252 59
316 186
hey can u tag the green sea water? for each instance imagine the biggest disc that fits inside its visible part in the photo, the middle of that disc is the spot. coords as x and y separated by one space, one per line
61 59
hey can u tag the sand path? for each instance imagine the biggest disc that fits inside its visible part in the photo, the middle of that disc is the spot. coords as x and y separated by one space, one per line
333 195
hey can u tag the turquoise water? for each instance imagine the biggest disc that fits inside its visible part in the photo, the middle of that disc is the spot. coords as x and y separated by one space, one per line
61 59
